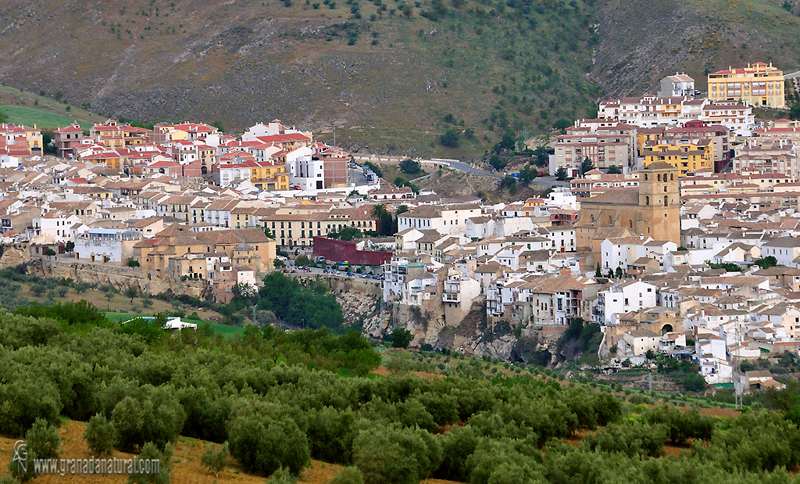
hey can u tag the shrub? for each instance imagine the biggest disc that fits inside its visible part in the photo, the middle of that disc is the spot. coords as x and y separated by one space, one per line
150 451
348 475
401 338
645 440
101 435
681 426
215 460
27 398
410 167
281 476
44 442
330 434
151 414
449 138
393 455
264 445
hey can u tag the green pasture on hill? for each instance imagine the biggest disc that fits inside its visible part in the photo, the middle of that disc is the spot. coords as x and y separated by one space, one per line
42 119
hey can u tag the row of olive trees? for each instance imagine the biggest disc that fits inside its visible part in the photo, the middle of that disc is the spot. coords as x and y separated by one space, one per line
139 395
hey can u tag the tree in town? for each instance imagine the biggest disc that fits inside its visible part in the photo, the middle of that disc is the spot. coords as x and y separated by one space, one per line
410 167
766 262
527 174
383 217
510 183
614 170
597 271
794 111
586 166
618 273
562 125
562 174
610 274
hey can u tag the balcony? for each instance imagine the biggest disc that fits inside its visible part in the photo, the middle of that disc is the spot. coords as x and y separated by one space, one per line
450 297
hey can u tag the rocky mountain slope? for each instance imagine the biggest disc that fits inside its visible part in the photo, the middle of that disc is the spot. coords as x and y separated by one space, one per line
642 41
389 74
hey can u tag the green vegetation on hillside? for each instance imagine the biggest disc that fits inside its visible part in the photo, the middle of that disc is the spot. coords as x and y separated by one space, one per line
41 119
271 396
443 77
27 108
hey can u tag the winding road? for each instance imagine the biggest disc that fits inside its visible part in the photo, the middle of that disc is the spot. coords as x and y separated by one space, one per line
464 167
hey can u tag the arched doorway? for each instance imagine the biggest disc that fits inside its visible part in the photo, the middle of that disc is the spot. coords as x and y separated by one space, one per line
667 328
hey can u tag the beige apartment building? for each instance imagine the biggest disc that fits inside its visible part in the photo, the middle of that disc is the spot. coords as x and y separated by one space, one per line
758 84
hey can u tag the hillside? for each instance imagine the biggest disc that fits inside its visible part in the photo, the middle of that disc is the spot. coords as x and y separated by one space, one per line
391 75
642 41
26 108
384 74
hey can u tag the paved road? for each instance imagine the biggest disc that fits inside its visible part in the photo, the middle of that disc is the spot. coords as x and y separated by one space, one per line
545 180
460 166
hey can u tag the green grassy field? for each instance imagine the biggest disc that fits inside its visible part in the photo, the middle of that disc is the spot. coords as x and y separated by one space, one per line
42 119
224 330
26 108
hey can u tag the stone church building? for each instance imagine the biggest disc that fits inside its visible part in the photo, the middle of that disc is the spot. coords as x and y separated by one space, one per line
653 210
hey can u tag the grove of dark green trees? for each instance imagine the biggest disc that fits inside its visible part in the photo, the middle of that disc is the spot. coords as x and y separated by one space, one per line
276 397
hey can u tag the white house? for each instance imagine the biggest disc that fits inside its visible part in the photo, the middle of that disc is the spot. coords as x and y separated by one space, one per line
446 219
53 227
622 251
784 249
305 171
459 290
106 245
624 297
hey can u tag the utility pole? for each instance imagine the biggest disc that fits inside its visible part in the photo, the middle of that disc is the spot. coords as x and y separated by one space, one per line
738 387
334 134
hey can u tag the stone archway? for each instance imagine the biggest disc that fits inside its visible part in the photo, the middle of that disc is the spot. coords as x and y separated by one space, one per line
667 328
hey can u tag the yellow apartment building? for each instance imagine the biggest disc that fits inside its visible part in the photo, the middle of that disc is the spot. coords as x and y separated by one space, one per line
269 176
688 158
758 84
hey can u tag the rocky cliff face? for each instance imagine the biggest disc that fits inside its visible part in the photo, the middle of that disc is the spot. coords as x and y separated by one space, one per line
14 255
